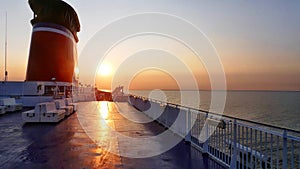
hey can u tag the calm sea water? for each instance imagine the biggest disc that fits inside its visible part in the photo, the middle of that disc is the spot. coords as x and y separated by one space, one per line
275 108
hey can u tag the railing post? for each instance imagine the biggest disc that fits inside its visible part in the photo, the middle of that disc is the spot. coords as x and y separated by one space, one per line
205 145
234 156
284 150
188 126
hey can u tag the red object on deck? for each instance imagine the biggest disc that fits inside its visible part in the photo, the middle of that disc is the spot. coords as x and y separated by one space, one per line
53 53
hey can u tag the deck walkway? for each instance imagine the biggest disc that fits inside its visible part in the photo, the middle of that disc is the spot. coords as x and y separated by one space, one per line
84 141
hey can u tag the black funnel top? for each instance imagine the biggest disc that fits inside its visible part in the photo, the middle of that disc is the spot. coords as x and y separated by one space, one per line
55 11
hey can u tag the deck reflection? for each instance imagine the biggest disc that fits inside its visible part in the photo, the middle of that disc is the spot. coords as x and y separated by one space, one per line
103 109
68 144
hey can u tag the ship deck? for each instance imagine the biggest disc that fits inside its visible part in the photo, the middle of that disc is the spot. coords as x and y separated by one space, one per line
67 144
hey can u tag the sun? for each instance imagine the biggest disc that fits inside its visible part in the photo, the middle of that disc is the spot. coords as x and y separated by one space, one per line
104 70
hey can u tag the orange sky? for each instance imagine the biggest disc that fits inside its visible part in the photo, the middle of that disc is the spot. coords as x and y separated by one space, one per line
258 43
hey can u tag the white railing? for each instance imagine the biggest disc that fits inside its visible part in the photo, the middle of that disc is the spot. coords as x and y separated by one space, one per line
235 143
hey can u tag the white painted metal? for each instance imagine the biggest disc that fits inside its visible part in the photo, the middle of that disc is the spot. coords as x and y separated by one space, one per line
32 116
43 112
61 105
10 104
50 114
69 102
2 110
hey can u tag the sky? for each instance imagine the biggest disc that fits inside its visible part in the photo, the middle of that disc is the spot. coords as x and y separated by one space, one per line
257 42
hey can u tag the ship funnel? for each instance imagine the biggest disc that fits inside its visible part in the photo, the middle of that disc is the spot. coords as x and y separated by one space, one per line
53 48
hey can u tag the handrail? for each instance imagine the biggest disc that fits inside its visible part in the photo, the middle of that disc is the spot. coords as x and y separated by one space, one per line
234 142
223 115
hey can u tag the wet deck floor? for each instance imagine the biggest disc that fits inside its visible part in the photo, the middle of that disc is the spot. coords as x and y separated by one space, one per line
84 141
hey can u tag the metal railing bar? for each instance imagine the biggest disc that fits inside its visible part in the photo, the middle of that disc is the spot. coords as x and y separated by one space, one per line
251 146
266 150
277 153
243 143
247 143
271 151
231 117
260 143
292 158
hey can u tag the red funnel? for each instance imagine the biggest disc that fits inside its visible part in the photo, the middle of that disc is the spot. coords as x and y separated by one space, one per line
53 53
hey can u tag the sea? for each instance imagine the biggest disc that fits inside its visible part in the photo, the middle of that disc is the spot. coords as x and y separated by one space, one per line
277 108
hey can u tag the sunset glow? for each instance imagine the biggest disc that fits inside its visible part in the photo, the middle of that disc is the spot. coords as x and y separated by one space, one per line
104 70
258 43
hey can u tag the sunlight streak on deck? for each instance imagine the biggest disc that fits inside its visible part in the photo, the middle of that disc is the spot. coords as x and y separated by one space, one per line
103 109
